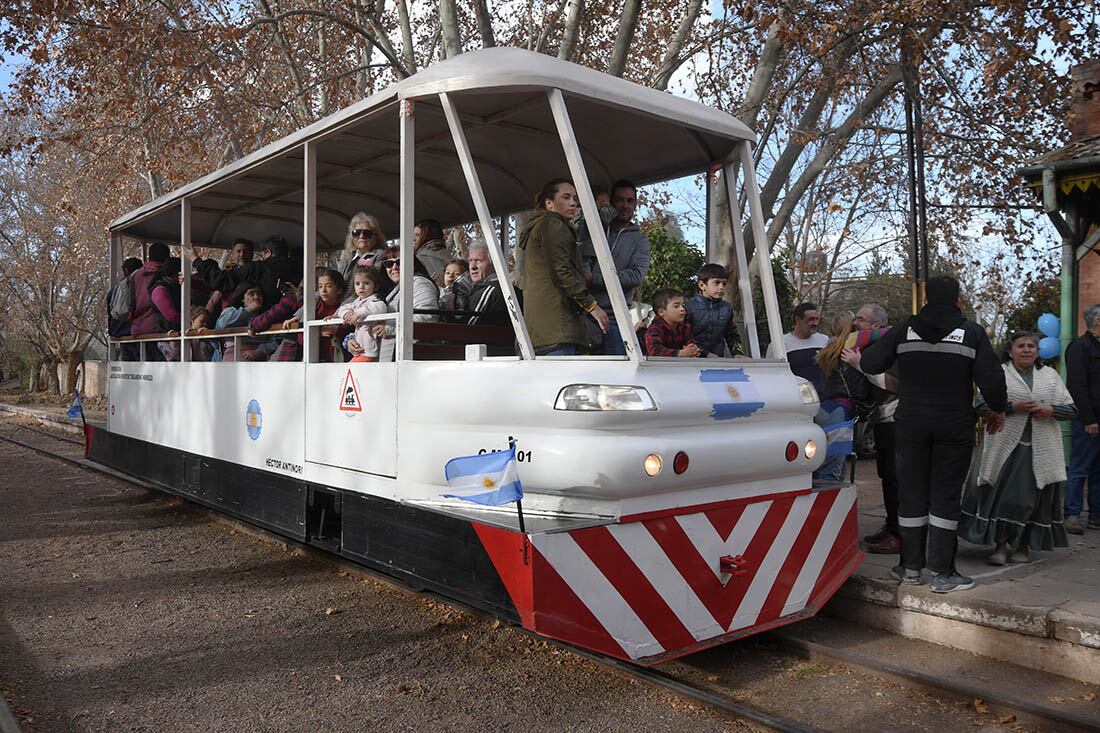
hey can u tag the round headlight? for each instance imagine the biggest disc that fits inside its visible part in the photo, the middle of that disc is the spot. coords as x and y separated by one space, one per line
811 449
652 464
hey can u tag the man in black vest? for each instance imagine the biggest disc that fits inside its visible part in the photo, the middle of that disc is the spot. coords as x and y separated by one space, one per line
941 356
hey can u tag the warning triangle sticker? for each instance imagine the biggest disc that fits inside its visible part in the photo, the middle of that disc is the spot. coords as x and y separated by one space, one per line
349 396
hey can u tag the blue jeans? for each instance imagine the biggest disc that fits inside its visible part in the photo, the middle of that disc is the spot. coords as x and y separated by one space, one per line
1084 463
564 350
833 468
613 341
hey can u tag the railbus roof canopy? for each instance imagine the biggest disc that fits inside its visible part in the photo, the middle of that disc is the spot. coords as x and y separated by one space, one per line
624 130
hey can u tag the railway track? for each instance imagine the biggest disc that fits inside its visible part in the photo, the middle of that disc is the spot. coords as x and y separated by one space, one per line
1034 712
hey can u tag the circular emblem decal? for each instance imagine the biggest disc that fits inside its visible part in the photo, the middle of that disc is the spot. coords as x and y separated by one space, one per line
253 419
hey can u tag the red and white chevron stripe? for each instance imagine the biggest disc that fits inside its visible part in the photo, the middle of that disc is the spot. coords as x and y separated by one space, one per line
652 589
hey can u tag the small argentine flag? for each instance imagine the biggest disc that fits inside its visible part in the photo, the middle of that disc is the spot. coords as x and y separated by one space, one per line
731 393
76 409
840 438
490 478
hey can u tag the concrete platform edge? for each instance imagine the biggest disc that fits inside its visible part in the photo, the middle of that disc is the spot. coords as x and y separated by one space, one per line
1052 639
67 424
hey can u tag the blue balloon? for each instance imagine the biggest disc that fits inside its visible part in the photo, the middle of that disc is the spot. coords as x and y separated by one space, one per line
1050 347
1050 325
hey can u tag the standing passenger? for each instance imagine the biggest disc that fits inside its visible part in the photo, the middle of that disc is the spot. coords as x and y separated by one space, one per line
1083 381
555 299
629 256
144 320
712 325
941 356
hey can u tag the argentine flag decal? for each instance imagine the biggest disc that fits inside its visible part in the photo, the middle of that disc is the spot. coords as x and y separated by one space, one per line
731 393
490 478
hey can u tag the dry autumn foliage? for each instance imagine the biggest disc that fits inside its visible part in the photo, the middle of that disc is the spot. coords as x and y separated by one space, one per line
119 102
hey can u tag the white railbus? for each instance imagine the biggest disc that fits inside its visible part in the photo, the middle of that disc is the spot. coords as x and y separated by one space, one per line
668 503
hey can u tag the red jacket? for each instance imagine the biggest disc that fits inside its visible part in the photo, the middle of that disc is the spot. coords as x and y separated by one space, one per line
666 339
144 319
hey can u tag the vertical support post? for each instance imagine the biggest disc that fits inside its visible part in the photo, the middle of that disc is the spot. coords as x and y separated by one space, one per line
712 234
744 282
619 308
310 336
185 270
485 218
763 254
408 181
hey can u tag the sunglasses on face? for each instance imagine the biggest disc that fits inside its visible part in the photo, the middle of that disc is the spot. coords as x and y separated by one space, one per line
391 264
364 233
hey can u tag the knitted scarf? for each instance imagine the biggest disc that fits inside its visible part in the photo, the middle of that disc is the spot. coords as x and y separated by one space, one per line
1048 459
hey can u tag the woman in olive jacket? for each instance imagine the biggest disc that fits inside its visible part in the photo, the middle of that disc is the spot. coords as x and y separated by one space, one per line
555 298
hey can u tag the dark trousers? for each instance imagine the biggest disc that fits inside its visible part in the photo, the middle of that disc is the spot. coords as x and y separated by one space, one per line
933 458
886 463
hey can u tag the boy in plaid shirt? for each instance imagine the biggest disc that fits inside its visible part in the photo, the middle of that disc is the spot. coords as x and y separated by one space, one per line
670 333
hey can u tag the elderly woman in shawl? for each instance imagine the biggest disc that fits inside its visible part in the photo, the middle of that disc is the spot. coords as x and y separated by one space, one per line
1013 497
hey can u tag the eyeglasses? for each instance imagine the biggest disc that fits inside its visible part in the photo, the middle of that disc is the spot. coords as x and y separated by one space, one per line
357 233
390 264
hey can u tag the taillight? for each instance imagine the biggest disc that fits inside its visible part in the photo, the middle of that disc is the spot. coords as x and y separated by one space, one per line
680 462
792 451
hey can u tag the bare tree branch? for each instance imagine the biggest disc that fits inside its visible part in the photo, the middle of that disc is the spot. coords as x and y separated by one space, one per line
628 22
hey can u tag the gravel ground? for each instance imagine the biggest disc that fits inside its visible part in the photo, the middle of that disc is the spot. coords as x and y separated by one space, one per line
122 609
125 610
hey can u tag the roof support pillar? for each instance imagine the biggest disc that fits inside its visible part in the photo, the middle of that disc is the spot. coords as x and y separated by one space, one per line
744 282
619 307
408 183
763 256
185 268
310 336
485 218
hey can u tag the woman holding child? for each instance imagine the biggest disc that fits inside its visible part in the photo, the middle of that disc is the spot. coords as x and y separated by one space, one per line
1013 497
425 297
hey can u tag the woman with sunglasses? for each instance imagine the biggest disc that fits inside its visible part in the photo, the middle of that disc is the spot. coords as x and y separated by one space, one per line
425 296
362 245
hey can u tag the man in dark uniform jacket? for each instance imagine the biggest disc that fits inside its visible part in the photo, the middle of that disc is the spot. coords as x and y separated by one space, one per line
941 356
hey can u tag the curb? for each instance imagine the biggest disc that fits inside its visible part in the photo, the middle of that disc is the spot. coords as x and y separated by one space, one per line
68 424
1050 638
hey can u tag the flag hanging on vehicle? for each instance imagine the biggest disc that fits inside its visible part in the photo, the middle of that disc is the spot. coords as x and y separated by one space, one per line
840 439
490 478
76 409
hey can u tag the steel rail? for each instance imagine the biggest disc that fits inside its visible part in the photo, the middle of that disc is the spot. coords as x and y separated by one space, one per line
1027 711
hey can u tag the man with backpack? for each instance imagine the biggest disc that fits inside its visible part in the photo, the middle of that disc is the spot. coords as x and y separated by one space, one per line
120 306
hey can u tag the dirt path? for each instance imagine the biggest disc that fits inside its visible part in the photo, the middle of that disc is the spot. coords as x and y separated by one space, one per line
124 610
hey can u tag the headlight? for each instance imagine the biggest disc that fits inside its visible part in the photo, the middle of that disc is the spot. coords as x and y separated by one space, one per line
603 397
807 392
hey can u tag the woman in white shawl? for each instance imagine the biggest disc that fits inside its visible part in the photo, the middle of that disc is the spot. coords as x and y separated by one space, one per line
363 245
1013 498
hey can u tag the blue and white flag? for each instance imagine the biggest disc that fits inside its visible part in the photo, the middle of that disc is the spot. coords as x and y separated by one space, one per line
840 438
490 478
76 409
731 393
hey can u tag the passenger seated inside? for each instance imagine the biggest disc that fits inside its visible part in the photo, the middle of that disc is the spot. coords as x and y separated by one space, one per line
713 327
670 333
273 273
485 300
425 296
448 297
252 348
330 292
368 283
290 302
430 247
364 245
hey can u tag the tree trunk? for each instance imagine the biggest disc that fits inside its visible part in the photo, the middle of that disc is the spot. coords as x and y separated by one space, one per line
763 75
73 363
50 381
448 22
574 12
484 23
406 35
672 59
627 24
